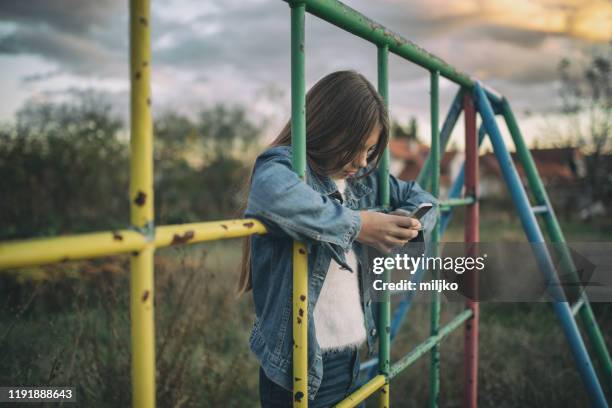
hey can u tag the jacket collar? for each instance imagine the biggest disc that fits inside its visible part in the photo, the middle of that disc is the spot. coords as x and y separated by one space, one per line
325 185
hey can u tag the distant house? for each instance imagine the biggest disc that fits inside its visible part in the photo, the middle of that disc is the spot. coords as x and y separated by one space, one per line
408 157
562 170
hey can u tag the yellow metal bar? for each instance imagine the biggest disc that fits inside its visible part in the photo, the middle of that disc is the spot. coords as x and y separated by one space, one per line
300 325
364 392
383 396
41 251
141 201
206 231
143 328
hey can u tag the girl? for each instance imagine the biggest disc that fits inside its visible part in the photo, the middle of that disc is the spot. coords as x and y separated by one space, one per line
347 129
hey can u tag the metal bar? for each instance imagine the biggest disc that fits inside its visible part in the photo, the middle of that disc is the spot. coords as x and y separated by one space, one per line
300 258
471 235
428 344
450 120
577 306
352 21
363 392
142 295
52 250
206 231
384 307
41 251
534 235
556 235
358 24
446 205
456 202
434 371
539 209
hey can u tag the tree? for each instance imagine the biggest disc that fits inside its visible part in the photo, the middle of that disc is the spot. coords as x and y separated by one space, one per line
409 132
199 165
586 96
60 165
64 167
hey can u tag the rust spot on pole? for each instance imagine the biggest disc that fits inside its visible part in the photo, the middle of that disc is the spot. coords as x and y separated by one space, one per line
302 251
249 224
182 239
137 75
134 253
298 396
299 320
140 199
117 236
148 101
143 21
302 298
145 295
224 227
301 312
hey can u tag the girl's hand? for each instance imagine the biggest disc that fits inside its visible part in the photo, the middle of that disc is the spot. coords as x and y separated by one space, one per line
386 231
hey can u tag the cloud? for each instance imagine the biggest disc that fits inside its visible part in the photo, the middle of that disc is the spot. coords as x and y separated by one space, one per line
73 16
41 76
80 37
76 54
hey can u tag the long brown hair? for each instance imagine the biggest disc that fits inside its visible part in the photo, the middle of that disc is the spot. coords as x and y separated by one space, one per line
342 109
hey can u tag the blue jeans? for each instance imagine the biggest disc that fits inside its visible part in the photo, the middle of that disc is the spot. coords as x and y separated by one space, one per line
340 378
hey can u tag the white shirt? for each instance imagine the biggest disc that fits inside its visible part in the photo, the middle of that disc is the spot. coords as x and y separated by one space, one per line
338 314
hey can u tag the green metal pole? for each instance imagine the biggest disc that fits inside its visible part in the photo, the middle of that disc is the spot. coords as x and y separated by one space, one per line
352 21
300 257
556 235
298 88
434 372
360 25
141 203
384 307
428 344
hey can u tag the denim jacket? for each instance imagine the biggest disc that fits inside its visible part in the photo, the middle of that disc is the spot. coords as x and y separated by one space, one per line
292 209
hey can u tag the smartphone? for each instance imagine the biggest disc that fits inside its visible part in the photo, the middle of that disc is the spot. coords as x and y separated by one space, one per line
421 210
418 212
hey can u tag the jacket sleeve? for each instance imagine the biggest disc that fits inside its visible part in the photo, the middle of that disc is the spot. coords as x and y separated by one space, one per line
407 195
289 206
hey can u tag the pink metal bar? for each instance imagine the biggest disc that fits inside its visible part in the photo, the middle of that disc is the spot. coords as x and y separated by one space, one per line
470 394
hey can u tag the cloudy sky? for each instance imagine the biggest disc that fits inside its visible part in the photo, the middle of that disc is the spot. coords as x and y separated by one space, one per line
238 50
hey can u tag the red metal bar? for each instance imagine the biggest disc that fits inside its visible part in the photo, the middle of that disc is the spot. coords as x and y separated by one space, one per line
470 394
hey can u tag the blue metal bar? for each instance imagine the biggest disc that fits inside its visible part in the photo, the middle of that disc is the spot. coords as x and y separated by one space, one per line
534 235
447 128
